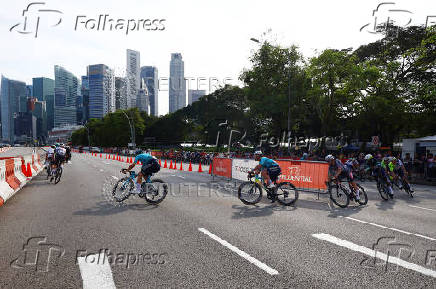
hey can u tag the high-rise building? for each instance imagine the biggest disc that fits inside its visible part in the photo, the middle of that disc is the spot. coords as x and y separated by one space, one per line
12 91
85 99
195 94
101 90
29 91
132 77
177 91
43 90
40 112
142 101
120 93
149 76
66 87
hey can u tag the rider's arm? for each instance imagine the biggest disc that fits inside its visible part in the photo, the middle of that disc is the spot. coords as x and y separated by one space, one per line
131 166
257 169
338 172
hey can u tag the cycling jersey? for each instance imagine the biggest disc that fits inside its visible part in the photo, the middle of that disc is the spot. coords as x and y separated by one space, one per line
143 158
60 151
50 153
267 163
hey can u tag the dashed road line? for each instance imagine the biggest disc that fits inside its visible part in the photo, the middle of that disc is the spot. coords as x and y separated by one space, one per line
389 228
375 254
422 208
241 253
96 274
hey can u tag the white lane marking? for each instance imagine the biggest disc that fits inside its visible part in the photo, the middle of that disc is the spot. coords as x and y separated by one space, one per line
107 163
360 221
425 237
375 254
96 274
377 225
422 208
401 231
101 170
393 229
179 176
244 255
114 177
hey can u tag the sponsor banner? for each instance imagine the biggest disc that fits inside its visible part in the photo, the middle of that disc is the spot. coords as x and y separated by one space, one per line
304 174
240 168
156 154
222 167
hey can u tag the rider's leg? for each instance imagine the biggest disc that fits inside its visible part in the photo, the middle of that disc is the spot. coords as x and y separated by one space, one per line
265 176
139 182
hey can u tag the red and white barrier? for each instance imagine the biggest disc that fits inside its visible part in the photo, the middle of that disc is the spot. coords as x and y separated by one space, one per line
15 172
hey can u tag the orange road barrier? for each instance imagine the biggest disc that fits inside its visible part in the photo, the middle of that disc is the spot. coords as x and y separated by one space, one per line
165 164
171 165
210 169
190 167
175 165
181 166
160 164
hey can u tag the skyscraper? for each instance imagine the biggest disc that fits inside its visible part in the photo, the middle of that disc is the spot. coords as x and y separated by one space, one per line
40 112
43 90
132 77
177 91
85 99
194 95
101 90
120 93
149 76
12 91
66 87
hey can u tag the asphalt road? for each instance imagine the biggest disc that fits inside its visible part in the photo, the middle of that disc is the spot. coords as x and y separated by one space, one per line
202 236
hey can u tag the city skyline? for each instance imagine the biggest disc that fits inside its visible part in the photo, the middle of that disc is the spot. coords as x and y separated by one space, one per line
76 49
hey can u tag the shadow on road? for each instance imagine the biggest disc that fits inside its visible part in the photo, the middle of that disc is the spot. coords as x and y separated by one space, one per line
104 208
258 211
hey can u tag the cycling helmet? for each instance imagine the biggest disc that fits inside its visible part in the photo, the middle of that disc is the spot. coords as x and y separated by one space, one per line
56 144
368 157
329 158
53 146
258 152
138 152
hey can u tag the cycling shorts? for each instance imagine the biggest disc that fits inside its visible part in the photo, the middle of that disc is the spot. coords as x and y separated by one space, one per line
347 174
151 168
274 172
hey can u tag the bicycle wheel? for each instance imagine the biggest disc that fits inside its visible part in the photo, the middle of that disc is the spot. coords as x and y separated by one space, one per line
363 200
155 192
122 189
286 193
406 187
383 190
250 193
339 195
58 175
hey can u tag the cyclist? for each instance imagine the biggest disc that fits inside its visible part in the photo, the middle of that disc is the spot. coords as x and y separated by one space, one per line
150 165
396 166
49 155
343 171
385 173
269 169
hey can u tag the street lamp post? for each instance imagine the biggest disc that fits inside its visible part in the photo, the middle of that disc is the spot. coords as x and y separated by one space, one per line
132 130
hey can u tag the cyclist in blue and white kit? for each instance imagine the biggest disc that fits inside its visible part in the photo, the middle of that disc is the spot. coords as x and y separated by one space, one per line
150 165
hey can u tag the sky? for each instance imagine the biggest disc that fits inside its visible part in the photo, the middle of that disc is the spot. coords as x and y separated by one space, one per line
213 36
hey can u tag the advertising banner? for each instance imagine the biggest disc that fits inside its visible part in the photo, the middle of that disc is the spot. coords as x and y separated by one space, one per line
222 167
240 168
304 174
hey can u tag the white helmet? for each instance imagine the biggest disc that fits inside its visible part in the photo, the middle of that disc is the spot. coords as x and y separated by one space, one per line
258 152
368 157
329 158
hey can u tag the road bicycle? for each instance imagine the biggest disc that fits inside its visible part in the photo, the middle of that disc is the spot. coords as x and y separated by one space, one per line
402 185
153 191
250 192
55 174
341 195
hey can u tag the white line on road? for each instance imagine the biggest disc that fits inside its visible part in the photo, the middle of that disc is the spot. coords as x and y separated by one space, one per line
182 177
360 221
241 253
94 274
375 254
114 177
393 229
422 208
101 170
